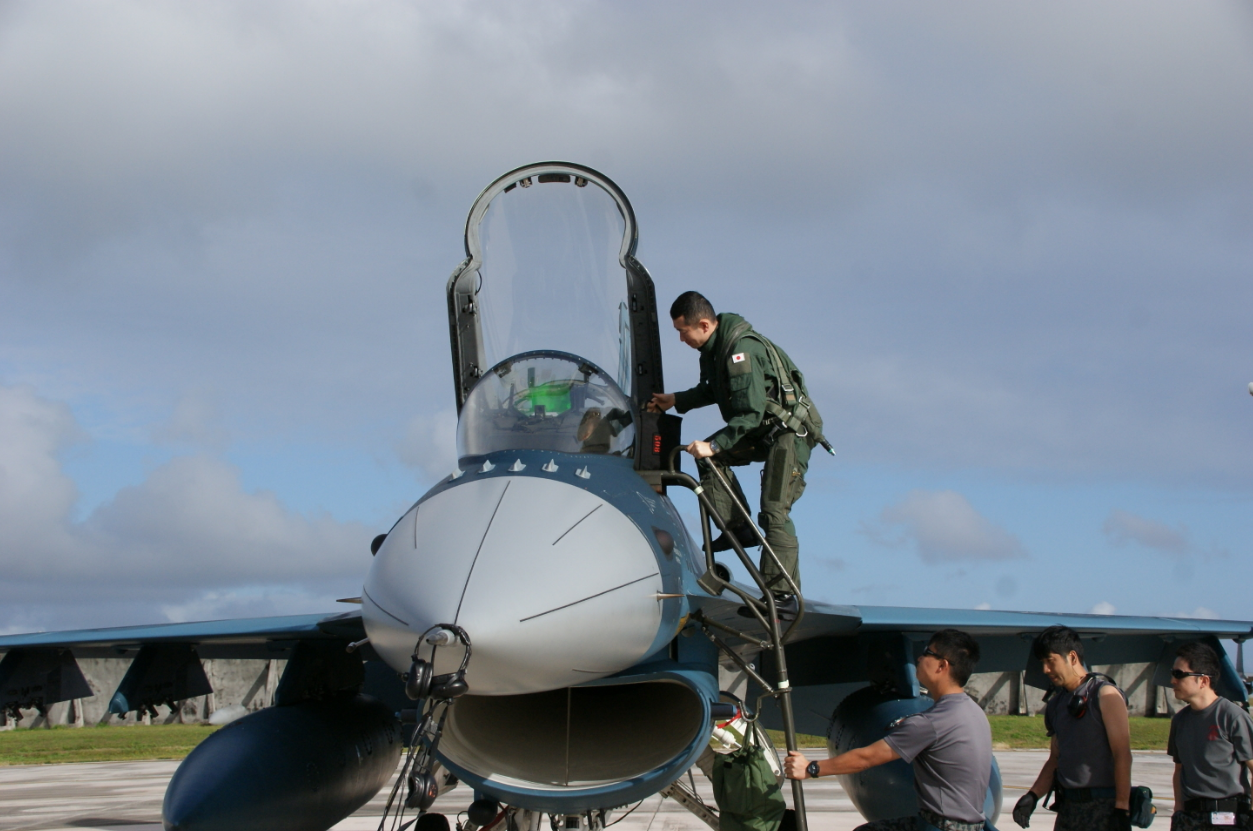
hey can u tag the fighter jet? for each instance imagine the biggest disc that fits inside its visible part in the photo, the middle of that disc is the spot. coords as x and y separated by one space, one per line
541 624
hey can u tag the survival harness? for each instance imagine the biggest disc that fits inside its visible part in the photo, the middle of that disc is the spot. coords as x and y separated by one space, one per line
793 411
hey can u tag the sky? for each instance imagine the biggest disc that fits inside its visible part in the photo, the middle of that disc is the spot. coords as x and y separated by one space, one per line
1010 245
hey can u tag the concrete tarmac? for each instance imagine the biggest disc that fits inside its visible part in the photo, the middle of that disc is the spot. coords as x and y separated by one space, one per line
126 796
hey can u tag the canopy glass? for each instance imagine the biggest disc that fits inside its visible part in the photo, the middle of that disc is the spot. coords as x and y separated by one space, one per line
551 275
546 400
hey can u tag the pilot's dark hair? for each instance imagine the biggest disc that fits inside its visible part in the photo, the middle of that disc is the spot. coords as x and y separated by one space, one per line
692 306
959 649
1201 658
1057 640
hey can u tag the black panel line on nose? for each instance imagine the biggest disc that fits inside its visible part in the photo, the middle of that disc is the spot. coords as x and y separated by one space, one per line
479 550
381 609
589 597
575 525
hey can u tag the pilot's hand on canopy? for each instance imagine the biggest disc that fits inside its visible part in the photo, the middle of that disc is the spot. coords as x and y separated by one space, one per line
700 450
661 402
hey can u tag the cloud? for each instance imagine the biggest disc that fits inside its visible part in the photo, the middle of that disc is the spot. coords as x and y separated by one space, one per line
1200 613
250 191
196 420
430 443
35 495
188 539
997 261
1123 527
944 527
1102 608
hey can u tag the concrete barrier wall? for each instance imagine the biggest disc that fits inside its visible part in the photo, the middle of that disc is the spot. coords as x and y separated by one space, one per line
251 685
1004 693
248 684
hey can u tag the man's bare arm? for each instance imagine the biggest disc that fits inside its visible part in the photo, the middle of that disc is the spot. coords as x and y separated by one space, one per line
1118 732
854 761
1178 786
1044 782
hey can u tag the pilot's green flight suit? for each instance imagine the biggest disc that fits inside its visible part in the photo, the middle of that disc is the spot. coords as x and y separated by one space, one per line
740 377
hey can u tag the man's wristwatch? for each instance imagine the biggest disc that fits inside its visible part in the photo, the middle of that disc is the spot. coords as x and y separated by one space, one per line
713 447
812 770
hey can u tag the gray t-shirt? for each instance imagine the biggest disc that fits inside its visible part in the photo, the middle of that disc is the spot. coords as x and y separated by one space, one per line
1084 759
1211 746
950 748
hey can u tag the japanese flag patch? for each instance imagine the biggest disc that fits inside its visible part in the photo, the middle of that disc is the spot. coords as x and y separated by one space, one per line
739 357
741 364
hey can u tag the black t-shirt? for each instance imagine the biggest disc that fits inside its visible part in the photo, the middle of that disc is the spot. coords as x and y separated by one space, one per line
1084 758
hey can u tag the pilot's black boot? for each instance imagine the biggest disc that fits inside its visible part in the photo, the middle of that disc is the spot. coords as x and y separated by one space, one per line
785 605
743 533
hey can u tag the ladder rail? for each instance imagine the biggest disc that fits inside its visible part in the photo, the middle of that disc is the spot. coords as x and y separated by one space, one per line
782 690
765 547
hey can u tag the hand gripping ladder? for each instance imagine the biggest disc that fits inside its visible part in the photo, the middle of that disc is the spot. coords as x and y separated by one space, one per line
716 580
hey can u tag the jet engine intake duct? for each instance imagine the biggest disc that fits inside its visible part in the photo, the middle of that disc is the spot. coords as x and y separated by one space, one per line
577 748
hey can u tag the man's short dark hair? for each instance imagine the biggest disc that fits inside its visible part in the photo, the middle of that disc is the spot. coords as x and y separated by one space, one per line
1201 658
1057 640
692 306
959 649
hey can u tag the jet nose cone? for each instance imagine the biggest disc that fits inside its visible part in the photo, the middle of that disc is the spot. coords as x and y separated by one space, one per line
553 584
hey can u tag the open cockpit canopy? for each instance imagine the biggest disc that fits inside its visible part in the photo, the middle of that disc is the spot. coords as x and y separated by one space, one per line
546 400
550 266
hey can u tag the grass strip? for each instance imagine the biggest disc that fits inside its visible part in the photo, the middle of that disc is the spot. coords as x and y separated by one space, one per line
1026 732
113 743
105 743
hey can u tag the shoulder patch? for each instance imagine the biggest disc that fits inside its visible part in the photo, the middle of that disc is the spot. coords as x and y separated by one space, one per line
741 364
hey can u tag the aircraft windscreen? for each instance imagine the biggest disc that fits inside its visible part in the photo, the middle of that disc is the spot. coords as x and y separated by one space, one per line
546 400
550 273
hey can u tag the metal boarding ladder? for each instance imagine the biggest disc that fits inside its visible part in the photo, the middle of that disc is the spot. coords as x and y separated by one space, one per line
716 580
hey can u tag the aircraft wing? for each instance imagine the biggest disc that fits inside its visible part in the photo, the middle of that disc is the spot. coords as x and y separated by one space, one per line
849 644
41 669
263 638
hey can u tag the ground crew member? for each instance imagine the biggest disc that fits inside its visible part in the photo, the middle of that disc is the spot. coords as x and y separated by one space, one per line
949 745
1211 741
769 418
1089 764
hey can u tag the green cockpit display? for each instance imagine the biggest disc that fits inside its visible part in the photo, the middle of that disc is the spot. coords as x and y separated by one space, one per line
546 400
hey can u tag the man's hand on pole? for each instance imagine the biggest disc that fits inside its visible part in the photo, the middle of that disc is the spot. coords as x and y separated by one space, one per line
661 402
700 450
794 766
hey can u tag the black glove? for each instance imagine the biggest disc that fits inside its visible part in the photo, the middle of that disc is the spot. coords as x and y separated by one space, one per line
1120 820
1022 810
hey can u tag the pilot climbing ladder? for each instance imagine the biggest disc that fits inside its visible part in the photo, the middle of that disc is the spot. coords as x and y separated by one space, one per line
716 580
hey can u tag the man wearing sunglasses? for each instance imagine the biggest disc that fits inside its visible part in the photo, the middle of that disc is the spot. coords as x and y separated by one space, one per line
1211 741
1089 764
949 745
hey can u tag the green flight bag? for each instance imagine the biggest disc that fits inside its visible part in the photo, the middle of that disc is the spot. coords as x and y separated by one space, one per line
747 790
